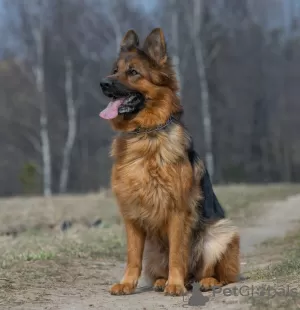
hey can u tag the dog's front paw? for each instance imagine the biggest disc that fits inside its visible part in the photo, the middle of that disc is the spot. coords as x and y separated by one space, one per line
122 289
175 290
208 284
159 285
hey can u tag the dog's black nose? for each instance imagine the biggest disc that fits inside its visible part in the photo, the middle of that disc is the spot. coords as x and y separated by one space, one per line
106 83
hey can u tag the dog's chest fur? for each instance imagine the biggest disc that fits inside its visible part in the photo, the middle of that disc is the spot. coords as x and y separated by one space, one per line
152 177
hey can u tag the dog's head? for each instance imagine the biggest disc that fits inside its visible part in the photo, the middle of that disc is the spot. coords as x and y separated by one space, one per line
142 85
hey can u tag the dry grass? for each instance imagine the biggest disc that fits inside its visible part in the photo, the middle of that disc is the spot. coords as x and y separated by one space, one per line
282 274
242 202
21 214
287 251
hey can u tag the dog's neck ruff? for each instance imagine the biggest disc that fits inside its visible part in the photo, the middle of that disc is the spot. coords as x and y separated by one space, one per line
142 130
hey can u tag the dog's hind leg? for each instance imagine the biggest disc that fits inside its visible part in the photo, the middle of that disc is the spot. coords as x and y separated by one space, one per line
227 269
221 264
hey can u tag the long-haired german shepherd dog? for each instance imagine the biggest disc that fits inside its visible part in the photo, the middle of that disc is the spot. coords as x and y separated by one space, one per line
175 225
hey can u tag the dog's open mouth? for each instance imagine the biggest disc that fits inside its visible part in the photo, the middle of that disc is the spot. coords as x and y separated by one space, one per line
123 105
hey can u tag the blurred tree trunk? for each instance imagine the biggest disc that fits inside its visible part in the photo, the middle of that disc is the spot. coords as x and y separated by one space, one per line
72 126
39 70
195 22
175 40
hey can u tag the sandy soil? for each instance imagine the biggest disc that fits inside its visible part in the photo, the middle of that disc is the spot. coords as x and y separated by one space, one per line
91 290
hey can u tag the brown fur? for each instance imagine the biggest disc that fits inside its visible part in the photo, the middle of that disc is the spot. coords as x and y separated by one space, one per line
157 188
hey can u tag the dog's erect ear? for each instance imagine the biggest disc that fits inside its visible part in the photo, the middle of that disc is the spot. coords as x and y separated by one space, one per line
155 46
130 40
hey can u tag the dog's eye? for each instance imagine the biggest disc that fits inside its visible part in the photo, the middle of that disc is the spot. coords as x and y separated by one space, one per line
132 72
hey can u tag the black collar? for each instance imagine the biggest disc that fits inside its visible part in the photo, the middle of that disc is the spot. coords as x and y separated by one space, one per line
142 130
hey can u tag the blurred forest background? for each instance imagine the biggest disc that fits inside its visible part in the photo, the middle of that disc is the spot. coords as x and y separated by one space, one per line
238 63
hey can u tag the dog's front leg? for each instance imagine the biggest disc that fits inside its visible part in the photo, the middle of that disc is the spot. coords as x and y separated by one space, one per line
135 248
179 236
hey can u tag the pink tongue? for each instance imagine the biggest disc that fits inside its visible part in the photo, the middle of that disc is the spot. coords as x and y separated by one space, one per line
111 111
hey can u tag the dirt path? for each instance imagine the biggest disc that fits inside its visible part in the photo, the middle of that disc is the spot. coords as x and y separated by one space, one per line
279 218
91 293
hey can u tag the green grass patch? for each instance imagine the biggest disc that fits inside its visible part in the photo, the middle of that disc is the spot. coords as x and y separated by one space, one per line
41 255
289 267
91 243
289 248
